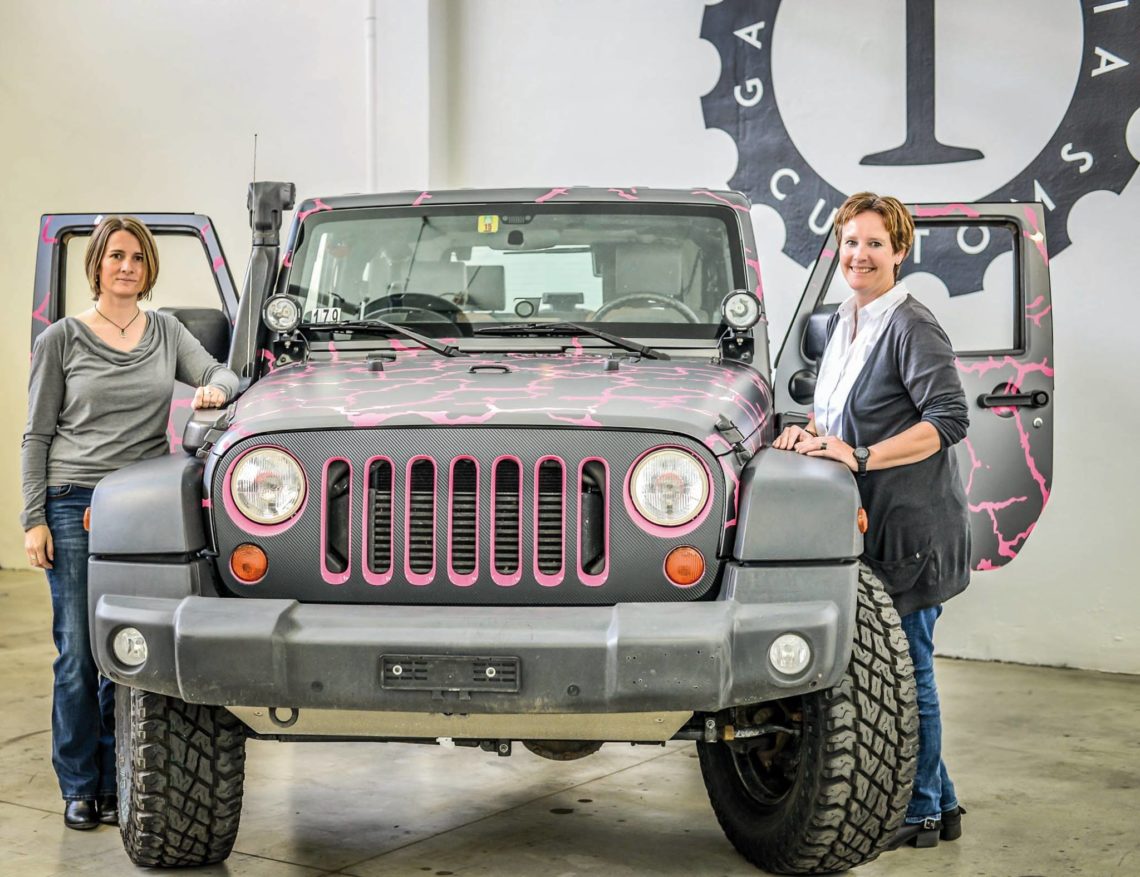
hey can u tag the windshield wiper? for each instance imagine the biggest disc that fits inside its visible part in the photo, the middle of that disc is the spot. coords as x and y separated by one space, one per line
383 327
570 329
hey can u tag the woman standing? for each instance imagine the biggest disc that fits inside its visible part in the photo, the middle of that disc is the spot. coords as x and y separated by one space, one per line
889 405
99 399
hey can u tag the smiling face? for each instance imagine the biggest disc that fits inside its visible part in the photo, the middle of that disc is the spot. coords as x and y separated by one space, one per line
867 257
122 270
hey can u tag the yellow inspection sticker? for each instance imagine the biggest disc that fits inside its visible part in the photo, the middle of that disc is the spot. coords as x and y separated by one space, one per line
488 224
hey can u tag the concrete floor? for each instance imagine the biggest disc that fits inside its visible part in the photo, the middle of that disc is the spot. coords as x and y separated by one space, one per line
1045 760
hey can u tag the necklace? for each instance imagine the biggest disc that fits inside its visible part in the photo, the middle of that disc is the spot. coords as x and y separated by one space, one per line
122 329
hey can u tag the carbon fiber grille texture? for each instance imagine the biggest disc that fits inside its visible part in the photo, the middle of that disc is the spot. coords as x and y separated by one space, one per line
532 568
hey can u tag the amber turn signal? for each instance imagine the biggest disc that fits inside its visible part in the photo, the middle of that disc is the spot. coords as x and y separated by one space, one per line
248 563
87 519
861 520
684 566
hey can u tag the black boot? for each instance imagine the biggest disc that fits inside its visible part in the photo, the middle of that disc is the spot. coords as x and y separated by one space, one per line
80 815
109 809
952 823
918 834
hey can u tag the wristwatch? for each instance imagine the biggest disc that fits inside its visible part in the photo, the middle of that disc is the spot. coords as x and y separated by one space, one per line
862 455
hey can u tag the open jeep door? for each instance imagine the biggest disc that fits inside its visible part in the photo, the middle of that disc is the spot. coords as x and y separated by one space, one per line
194 282
983 270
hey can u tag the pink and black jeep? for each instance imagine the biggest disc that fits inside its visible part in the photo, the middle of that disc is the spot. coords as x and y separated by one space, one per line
500 472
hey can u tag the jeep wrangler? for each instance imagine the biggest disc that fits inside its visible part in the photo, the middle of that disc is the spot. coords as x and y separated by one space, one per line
500 472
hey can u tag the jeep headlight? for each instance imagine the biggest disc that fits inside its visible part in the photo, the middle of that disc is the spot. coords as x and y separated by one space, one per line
267 485
669 487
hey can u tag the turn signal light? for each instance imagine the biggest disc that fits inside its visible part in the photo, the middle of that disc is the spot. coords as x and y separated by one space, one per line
861 520
684 566
248 563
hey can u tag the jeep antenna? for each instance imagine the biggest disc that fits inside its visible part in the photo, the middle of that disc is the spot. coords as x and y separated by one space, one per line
255 156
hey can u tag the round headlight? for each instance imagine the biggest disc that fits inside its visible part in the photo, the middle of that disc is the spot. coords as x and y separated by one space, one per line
281 313
669 487
740 309
267 485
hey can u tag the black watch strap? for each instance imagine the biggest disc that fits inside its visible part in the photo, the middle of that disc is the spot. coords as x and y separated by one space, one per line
861 454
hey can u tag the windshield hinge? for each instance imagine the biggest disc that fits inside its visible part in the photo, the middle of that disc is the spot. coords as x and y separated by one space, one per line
731 434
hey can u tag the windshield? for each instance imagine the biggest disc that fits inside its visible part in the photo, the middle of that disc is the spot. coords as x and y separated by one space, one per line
642 271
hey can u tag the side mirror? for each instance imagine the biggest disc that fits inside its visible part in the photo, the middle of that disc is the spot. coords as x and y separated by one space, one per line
208 325
801 387
815 335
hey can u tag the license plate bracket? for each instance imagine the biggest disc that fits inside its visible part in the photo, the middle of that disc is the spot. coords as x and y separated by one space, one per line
462 673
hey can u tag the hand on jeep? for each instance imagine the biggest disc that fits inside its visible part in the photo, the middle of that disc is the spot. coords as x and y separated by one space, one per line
790 437
208 397
830 447
38 544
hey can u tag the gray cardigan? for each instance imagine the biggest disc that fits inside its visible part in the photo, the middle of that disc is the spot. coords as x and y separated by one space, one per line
918 536
93 409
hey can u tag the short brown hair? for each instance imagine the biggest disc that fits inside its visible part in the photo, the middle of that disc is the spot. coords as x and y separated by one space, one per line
97 248
897 219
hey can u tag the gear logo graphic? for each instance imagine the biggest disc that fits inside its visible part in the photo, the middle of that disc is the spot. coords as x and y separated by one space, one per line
1087 151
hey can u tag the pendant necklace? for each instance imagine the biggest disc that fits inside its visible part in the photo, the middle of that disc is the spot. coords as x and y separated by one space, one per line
122 329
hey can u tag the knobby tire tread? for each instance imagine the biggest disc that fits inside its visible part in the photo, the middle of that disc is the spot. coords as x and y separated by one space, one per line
858 761
181 778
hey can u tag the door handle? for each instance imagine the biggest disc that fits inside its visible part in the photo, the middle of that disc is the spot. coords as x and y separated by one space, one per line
1036 399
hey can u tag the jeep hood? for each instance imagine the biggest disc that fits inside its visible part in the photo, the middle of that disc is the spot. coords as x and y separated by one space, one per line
422 389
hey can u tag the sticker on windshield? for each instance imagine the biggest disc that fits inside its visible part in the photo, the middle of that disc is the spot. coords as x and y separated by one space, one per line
326 315
488 224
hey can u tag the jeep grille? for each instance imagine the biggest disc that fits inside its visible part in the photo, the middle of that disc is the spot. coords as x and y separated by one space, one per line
515 516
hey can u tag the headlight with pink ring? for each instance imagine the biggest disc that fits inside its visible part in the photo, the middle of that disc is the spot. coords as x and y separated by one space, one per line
669 487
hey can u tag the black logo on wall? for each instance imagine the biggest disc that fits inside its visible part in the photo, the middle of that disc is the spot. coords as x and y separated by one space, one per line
1087 151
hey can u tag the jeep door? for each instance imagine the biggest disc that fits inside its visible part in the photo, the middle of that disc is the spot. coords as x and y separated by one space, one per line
983 270
193 274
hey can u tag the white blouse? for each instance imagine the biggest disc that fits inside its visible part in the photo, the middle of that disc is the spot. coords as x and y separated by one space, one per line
851 343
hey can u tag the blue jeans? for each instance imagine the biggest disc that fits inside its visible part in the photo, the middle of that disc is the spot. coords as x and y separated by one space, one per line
933 792
83 702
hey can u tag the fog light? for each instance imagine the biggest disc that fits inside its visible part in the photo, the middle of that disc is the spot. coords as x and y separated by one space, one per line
789 654
129 647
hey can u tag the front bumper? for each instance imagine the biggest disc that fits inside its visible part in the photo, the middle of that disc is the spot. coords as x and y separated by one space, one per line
631 657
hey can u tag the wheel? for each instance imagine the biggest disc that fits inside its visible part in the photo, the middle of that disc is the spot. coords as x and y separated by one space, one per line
181 770
650 298
830 796
416 307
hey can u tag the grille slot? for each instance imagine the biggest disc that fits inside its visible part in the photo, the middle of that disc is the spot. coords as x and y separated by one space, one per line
464 509
548 535
508 506
338 477
592 517
421 516
380 502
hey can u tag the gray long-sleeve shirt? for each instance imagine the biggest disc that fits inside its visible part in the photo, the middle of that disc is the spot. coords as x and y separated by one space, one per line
93 409
918 538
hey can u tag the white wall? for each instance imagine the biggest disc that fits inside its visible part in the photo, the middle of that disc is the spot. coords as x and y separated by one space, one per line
133 104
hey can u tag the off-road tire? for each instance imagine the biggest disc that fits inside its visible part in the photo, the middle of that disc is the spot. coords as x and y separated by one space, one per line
852 767
181 770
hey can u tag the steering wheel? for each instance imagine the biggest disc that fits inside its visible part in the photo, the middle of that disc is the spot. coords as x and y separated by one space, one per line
651 298
425 308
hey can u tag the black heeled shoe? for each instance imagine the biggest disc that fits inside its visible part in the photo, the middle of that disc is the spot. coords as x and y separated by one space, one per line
922 835
108 809
952 823
81 815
